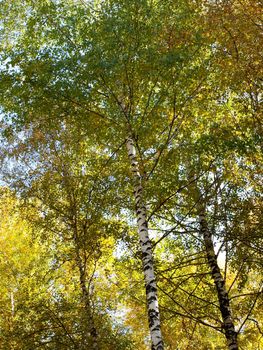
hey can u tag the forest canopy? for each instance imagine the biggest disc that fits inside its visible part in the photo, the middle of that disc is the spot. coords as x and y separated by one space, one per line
131 175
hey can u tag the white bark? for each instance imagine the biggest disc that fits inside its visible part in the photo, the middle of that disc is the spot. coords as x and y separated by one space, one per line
12 299
146 250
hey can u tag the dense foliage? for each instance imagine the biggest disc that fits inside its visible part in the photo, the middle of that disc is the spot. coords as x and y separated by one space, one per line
131 159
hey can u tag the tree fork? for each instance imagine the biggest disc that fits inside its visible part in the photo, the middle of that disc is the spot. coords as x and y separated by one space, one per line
228 324
146 250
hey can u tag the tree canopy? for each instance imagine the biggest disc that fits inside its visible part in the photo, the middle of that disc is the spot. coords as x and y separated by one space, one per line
131 160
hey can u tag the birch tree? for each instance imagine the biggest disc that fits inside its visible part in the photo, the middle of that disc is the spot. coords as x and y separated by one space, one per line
154 78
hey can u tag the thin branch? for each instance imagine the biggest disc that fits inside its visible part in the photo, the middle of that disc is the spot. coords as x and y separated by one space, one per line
251 309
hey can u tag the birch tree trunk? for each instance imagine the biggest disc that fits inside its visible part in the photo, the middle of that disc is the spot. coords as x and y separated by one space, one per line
228 324
90 325
12 299
86 301
146 250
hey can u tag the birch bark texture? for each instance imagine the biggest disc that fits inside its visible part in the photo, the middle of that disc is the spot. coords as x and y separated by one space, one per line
228 324
146 250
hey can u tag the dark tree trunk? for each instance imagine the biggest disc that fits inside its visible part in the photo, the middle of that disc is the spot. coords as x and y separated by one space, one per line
228 324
